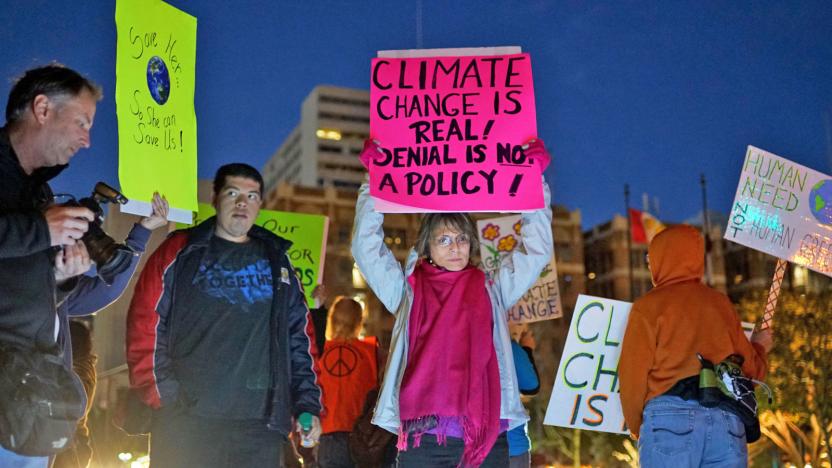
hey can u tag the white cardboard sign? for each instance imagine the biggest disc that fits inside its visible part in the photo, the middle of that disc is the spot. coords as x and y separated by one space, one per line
586 394
783 209
499 238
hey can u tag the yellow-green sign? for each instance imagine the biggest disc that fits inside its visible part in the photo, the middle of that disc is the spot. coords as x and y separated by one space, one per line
155 65
307 232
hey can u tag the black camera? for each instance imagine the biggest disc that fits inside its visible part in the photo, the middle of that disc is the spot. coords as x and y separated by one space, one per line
109 256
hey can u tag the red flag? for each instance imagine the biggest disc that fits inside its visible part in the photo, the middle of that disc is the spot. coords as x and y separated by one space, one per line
643 226
636 228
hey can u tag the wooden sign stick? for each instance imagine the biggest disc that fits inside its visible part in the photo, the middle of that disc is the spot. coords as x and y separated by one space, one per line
773 294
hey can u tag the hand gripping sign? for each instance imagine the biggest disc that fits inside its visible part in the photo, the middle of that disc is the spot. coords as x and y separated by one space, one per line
452 129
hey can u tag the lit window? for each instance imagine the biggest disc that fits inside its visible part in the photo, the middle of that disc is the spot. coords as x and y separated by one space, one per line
361 298
357 279
328 134
800 276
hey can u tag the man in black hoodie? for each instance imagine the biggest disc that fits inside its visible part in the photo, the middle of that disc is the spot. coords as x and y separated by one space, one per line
49 114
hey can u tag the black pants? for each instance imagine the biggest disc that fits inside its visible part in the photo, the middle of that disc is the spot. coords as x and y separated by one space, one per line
334 451
181 440
431 454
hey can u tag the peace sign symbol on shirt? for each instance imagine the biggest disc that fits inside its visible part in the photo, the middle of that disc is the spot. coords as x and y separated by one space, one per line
340 360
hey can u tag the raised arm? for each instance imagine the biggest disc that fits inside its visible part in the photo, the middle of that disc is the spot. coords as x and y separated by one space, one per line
93 294
377 263
516 277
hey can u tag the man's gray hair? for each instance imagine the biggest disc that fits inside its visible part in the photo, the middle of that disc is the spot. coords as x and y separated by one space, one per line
54 81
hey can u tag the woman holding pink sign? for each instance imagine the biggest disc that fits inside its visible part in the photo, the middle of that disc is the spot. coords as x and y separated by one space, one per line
450 391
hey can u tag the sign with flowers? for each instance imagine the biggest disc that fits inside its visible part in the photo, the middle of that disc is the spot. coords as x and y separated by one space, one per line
499 239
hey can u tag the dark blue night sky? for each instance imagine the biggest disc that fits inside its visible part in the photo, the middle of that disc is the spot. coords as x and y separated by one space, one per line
627 92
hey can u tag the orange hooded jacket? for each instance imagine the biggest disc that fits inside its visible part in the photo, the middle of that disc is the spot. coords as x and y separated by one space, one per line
675 320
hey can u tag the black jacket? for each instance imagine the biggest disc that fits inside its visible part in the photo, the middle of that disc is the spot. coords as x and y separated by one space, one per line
28 296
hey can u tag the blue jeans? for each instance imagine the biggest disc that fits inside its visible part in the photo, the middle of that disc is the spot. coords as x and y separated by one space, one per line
678 433
9 459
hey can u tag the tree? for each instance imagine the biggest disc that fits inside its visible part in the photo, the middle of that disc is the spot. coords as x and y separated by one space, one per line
800 372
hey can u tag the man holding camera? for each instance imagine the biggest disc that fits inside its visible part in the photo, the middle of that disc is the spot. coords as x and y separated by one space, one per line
49 114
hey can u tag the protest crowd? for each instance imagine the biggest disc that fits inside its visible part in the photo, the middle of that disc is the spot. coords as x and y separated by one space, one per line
236 360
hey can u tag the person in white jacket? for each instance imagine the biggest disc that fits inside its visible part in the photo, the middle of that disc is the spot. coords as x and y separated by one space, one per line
450 391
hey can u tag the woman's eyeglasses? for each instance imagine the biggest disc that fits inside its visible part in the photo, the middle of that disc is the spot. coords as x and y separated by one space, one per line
446 240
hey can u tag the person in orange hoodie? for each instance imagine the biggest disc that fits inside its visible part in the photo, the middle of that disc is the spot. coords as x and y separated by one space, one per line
659 368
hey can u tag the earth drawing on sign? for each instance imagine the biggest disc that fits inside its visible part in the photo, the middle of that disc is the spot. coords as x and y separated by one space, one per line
820 201
158 79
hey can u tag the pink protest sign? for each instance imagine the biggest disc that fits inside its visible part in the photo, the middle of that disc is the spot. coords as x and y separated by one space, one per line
452 130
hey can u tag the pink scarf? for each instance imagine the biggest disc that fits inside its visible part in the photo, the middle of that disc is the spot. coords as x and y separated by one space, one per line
452 372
